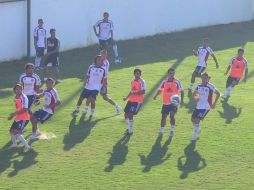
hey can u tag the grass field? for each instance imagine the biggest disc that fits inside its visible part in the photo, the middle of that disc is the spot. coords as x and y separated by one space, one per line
95 154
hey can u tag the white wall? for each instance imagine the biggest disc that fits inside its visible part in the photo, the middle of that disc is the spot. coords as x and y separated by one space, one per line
73 20
13 30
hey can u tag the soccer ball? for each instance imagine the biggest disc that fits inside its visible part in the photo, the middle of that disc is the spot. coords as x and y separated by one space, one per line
175 100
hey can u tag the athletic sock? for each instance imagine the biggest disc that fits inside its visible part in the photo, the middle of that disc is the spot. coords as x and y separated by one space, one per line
131 125
92 112
13 139
37 61
127 121
85 109
191 85
196 131
77 108
23 141
115 50
228 91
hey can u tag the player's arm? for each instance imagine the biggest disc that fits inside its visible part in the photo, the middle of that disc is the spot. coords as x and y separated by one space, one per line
228 68
94 29
182 97
195 52
195 95
217 93
126 97
17 113
157 94
215 60
245 75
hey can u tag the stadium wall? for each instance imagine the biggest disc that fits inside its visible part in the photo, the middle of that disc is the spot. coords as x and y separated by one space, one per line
73 20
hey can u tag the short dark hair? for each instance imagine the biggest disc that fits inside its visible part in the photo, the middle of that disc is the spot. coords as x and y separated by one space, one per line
171 69
28 65
51 80
52 30
96 57
137 70
105 13
205 74
40 20
17 85
240 50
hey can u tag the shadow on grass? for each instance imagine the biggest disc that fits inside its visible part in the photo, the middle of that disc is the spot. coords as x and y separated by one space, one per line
191 103
191 161
119 153
10 157
79 132
229 112
157 156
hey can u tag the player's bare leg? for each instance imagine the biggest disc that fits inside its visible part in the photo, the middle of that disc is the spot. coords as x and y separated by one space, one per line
130 123
92 100
109 100
57 69
76 111
35 130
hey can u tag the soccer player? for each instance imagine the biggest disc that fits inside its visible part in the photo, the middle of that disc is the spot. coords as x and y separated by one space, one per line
203 94
39 43
21 118
31 84
95 79
52 56
238 67
169 87
104 89
202 53
105 35
135 99
51 101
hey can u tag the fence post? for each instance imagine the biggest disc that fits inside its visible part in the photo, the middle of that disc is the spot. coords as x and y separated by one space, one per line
28 28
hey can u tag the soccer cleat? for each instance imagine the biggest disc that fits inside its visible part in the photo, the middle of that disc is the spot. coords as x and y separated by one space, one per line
118 110
130 130
75 113
171 133
118 60
162 129
27 149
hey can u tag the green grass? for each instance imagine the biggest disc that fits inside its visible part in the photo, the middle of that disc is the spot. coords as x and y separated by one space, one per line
95 155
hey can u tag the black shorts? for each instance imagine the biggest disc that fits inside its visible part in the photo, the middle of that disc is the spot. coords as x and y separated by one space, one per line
200 113
39 51
41 115
54 60
132 107
166 109
105 43
18 127
89 93
232 81
199 69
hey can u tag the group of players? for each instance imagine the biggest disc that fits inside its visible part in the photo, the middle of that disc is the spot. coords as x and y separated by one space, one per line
27 91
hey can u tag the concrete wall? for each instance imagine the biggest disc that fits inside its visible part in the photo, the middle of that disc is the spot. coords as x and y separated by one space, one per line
73 20
13 30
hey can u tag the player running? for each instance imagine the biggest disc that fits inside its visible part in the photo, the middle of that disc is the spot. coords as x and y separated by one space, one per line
105 35
203 94
52 56
238 67
95 79
202 53
51 101
21 118
169 87
135 99
104 89
39 43
31 84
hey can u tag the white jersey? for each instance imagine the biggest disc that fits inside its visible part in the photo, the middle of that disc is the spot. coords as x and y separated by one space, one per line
205 95
105 28
51 98
105 66
203 54
95 77
40 34
29 83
